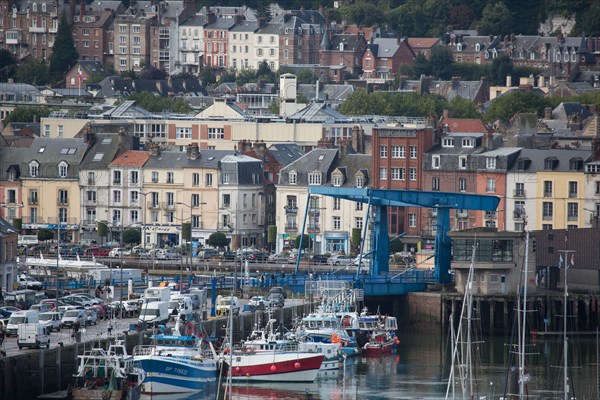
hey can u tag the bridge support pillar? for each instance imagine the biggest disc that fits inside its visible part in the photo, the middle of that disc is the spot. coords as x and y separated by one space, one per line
492 316
505 319
381 241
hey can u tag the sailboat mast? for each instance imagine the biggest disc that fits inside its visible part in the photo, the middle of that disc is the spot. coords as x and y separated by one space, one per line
524 320
565 344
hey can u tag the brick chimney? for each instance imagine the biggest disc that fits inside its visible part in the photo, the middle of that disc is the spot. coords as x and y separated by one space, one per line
548 113
260 148
325 143
192 151
344 146
244 145
153 149
358 139
89 136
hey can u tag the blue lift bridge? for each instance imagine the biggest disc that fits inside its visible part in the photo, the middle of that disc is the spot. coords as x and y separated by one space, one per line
378 281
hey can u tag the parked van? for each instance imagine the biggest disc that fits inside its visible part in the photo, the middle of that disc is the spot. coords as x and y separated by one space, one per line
226 303
154 313
182 303
201 295
32 335
51 320
21 317
40 308
162 293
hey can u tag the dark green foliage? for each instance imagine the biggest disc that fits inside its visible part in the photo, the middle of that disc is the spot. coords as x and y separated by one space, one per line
588 20
157 104
225 76
207 76
463 108
355 240
45 234
501 67
301 98
102 229
306 76
26 114
306 242
132 236
8 65
272 234
385 103
274 107
496 20
187 231
64 55
217 239
441 62
17 223
506 106
153 73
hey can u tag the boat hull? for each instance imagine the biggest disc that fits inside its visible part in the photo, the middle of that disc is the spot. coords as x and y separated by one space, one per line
172 376
278 367
377 349
106 394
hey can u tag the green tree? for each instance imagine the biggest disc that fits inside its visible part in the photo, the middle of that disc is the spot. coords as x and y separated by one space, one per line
187 231
463 108
520 101
64 55
587 21
363 13
217 239
132 236
355 239
207 76
441 62
45 234
8 65
264 72
421 66
501 67
302 99
26 114
496 19
243 77
153 73
272 234
17 223
356 103
306 242
32 71
102 229
306 76
227 76
274 107
157 104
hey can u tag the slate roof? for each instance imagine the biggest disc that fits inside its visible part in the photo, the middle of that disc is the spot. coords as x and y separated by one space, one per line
20 91
565 110
351 42
321 160
194 21
350 165
221 23
422 43
538 156
6 228
245 26
384 47
12 158
285 153
177 159
106 144
270 28
49 152
316 112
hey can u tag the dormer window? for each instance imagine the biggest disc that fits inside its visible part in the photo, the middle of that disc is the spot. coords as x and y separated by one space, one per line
314 178
435 162
486 55
63 169
447 142
459 47
557 57
550 163
337 180
293 178
462 162
494 53
490 162
360 181
477 47
575 164
34 169
468 142
523 164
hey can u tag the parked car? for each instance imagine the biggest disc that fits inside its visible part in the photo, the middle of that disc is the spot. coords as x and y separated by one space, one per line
27 282
96 252
276 300
163 254
339 259
118 252
256 301
229 256
139 252
280 258
51 320
77 250
319 259
95 300
41 308
278 289
365 262
37 249
207 254
91 318
101 311
72 316
112 244
77 300
294 257
5 313
259 258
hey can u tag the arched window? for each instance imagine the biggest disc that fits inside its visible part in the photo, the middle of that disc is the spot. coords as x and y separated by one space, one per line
63 169
34 169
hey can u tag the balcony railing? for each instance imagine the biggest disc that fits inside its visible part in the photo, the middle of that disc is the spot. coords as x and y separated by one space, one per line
314 211
33 200
573 217
313 228
167 206
62 201
518 215
152 205
291 227
547 217
291 210
519 193
462 214
547 194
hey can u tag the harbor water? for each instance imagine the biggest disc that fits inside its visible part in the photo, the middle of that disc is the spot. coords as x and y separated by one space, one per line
419 369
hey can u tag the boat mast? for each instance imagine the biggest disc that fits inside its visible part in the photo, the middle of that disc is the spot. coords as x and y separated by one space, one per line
524 320
567 263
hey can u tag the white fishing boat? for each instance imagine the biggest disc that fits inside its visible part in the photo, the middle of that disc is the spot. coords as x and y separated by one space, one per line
107 375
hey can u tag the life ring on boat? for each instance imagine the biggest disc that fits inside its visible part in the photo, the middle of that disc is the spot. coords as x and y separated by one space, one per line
346 321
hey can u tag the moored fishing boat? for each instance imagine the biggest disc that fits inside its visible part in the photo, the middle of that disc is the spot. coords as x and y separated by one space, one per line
107 375
177 364
377 334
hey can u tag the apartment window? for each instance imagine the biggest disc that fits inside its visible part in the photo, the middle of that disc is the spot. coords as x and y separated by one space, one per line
137 40
314 178
116 196
154 217
572 211
122 28
183 133
435 162
490 162
209 179
60 131
358 222
398 152
122 62
195 179
337 180
170 216
91 178
447 142
462 184
226 200
170 198
413 151
195 200
462 162
383 151
435 184
491 185
154 176
519 189
170 177
63 169
412 220
117 177
63 215
133 216
33 196
136 28
91 196
359 206
572 189
547 188
547 210
293 178
412 174
468 143
134 177
134 197
226 178
34 169
122 39
63 196
337 223
397 174
336 203
196 221
46 130
383 173
216 133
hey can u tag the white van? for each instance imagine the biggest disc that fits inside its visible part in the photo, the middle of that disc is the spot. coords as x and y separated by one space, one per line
32 335
154 313
182 303
21 317
226 303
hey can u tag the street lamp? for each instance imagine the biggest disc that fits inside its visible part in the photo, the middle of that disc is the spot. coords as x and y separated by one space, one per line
189 239
120 266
